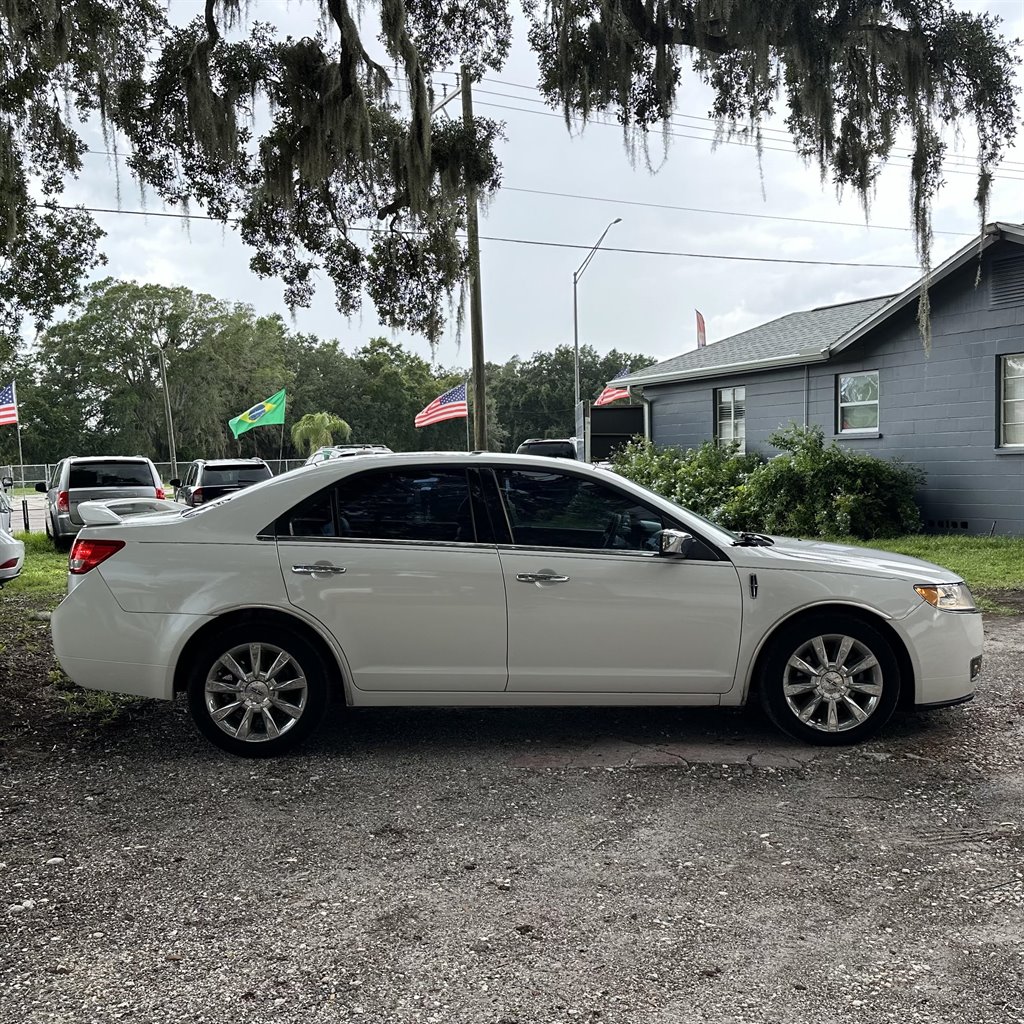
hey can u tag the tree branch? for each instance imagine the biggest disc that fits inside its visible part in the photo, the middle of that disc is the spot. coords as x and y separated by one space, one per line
672 35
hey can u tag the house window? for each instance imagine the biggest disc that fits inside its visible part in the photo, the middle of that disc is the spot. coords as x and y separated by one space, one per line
731 416
1011 432
857 402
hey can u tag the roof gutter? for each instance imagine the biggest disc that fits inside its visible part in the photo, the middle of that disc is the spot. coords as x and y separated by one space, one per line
797 359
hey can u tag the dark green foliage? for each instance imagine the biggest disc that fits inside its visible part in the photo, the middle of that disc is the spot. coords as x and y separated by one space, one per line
704 479
344 183
810 490
815 489
533 395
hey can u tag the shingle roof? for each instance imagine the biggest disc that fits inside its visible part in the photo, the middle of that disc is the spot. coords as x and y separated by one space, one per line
794 335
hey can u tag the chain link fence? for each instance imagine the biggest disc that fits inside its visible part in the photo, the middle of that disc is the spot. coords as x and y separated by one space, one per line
32 473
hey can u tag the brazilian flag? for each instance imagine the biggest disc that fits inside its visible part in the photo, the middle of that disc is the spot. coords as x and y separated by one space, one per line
262 414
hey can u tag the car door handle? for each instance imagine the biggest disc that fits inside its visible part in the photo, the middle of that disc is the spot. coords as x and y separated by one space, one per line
541 577
316 570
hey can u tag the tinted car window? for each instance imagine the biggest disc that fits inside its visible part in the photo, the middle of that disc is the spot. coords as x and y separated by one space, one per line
566 511
218 476
423 505
412 504
110 474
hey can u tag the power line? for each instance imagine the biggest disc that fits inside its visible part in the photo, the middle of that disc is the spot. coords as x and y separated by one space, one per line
694 117
681 209
735 142
723 213
533 241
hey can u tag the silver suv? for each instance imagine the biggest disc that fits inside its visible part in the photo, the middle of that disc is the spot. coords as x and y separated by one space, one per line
93 478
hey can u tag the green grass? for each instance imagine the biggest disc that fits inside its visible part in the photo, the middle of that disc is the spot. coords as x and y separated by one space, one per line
988 563
45 571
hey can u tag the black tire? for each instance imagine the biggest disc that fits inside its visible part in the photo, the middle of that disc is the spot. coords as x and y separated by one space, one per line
830 680
62 543
213 686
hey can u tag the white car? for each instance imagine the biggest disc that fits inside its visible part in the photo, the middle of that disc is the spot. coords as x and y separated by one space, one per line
344 451
12 557
497 580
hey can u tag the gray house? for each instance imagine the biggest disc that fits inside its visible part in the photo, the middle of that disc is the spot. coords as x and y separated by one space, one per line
860 371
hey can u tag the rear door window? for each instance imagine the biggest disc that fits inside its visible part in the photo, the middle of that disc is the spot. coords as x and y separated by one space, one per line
231 476
424 505
110 474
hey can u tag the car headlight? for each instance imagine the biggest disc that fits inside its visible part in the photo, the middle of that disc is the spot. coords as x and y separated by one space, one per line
949 597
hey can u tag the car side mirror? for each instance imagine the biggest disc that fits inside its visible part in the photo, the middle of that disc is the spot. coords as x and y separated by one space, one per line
42 486
8 481
175 482
674 543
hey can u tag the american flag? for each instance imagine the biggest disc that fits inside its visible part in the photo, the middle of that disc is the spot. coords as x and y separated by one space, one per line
612 393
449 406
8 405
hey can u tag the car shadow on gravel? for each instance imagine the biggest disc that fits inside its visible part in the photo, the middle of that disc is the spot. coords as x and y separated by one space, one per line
513 737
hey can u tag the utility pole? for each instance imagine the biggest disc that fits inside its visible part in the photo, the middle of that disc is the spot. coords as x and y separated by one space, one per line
476 310
167 409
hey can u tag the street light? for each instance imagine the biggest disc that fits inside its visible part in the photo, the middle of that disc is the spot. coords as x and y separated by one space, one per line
577 274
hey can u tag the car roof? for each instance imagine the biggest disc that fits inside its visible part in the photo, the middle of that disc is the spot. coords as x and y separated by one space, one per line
230 462
108 458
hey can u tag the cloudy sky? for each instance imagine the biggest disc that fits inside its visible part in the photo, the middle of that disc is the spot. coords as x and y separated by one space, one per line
702 204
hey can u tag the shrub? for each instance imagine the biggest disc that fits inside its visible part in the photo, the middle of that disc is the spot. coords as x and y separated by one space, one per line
704 479
818 490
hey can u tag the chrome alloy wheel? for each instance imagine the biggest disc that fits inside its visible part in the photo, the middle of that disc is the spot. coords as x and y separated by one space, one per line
832 683
256 692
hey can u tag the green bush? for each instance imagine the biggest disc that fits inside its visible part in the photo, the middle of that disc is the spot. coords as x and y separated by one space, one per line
818 490
810 490
705 479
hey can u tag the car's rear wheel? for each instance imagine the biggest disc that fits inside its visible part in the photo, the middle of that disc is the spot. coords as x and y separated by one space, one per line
830 680
258 689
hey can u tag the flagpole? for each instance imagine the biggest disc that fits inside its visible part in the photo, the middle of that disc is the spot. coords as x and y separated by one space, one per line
17 420
280 451
469 444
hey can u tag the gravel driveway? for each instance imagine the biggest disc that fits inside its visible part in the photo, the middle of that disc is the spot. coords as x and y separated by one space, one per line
519 866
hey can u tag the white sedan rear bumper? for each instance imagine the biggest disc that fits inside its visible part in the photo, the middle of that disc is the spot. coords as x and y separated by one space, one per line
147 644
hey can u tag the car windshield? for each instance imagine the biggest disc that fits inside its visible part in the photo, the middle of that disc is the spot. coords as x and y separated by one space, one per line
110 474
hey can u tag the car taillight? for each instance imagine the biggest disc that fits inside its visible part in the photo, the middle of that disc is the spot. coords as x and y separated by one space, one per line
197 495
160 493
9 564
62 501
86 554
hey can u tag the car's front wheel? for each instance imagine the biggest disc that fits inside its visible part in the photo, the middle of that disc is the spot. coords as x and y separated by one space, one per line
258 689
831 679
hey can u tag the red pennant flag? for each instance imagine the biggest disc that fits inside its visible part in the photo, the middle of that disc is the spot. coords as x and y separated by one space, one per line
702 338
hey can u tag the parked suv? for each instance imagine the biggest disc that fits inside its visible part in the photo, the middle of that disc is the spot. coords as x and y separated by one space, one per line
93 478
205 479
340 451
552 447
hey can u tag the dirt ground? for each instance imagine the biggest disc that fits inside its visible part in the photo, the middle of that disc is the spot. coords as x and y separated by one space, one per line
513 866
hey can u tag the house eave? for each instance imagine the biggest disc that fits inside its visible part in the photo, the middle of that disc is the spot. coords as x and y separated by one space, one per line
993 233
728 369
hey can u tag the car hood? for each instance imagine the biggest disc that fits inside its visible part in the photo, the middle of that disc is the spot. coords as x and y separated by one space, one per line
817 556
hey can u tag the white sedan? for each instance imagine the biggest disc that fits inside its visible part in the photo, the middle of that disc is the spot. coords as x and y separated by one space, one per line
12 557
498 580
